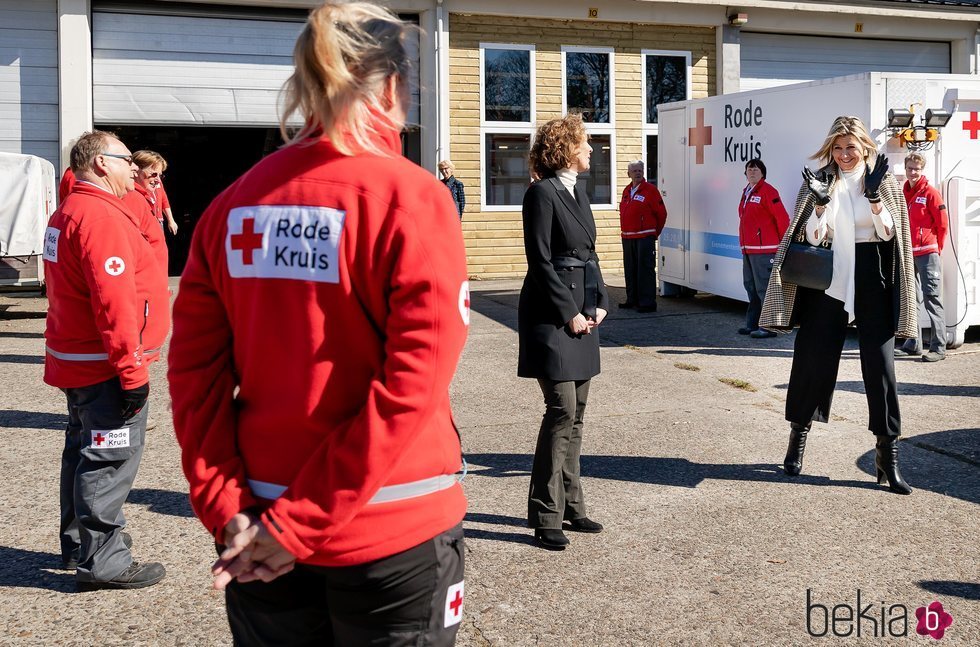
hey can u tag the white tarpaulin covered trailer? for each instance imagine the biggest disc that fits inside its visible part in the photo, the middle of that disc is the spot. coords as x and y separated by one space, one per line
27 200
705 143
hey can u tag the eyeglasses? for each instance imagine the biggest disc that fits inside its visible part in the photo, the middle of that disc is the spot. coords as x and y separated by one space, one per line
126 158
153 176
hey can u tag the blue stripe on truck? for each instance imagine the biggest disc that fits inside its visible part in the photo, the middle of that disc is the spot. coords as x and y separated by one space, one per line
701 241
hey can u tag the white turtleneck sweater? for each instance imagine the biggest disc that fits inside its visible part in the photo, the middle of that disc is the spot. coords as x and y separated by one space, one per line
846 221
568 178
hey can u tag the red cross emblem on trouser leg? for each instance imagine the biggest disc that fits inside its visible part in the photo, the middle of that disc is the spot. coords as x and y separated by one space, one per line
98 438
973 125
699 136
247 241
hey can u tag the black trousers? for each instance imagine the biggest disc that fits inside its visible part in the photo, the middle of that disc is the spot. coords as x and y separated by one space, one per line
412 598
640 268
556 489
820 341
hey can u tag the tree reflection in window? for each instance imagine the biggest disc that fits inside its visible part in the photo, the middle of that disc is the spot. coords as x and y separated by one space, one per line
507 85
666 82
587 85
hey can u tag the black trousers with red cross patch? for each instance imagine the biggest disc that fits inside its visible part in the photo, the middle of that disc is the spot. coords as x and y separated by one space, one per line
412 598
98 466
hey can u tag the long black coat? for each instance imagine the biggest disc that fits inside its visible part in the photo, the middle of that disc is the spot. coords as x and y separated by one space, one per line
556 225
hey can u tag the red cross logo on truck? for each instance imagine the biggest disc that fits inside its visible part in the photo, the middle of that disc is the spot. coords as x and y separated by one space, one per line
247 241
973 125
699 136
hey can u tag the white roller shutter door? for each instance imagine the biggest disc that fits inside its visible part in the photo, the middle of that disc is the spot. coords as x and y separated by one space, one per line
29 78
769 60
166 69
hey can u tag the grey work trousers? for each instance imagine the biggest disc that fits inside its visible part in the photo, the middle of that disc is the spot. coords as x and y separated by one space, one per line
98 466
411 598
556 489
640 267
756 269
929 290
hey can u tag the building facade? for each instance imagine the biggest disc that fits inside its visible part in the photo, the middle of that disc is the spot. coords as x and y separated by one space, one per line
199 81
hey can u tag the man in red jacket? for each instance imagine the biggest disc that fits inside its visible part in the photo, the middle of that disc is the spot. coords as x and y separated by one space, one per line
929 223
642 215
108 316
762 222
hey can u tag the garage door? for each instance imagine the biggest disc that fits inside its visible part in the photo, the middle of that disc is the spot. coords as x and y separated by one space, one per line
29 78
178 69
777 59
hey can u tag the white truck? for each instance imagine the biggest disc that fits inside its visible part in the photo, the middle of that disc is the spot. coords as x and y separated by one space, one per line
704 144
27 200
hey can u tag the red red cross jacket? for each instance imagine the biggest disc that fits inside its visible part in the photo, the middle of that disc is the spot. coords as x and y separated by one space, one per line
762 219
142 204
66 185
927 217
331 292
108 303
642 214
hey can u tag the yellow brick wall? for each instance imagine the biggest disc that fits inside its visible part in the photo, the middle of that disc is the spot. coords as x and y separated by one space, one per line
494 246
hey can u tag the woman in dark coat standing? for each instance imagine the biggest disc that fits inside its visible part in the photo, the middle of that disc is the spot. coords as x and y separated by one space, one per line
562 303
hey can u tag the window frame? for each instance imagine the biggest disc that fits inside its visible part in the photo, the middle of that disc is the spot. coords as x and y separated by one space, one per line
597 128
654 129
503 127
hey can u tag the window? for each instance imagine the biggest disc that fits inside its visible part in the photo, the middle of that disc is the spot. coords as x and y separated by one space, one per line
506 122
588 88
666 78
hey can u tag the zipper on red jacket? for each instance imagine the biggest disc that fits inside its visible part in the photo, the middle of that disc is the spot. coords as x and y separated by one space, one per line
146 318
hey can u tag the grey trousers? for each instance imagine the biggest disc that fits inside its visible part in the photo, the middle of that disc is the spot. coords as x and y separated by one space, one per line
756 269
929 290
556 489
412 598
640 267
98 466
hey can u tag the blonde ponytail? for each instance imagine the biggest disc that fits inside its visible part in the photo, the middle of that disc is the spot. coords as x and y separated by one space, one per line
344 59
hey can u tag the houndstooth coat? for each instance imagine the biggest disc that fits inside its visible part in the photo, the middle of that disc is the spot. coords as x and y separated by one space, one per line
777 311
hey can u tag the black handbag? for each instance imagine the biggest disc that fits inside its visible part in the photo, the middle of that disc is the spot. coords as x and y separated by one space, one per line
808 266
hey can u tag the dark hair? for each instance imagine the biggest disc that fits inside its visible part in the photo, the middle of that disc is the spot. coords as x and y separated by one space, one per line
756 163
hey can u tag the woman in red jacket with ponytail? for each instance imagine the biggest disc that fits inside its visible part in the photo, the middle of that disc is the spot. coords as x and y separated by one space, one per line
317 328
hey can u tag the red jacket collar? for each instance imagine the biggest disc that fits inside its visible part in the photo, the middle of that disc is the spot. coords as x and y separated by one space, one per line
919 187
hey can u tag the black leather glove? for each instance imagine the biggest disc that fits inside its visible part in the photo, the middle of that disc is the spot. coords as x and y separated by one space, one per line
819 186
872 179
133 400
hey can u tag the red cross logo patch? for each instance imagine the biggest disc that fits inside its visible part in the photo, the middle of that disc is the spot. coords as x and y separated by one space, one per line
464 302
247 241
114 266
454 605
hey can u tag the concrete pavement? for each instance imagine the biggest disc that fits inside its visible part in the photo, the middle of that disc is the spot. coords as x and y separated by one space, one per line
706 542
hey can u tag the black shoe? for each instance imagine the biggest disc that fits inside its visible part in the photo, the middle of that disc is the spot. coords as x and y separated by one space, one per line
793 463
71 563
136 576
550 538
644 309
886 465
585 525
762 333
746 331
626 305
933 356
905 351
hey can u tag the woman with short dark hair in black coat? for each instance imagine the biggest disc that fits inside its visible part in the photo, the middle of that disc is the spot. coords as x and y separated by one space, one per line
562 303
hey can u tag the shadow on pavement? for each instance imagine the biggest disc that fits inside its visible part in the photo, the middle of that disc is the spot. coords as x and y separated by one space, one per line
21 335
168 502
21 359
512 537
498 519
913 388
32 569
965 590
676 472
14 419
955 448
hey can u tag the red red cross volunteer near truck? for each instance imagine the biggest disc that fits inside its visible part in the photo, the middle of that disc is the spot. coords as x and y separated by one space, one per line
108 316
319 321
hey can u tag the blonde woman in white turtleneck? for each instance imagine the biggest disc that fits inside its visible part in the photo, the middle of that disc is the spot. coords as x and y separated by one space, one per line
856 205
563 302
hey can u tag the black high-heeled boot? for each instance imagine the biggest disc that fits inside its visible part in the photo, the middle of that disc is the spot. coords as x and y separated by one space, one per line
886 465
793 463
